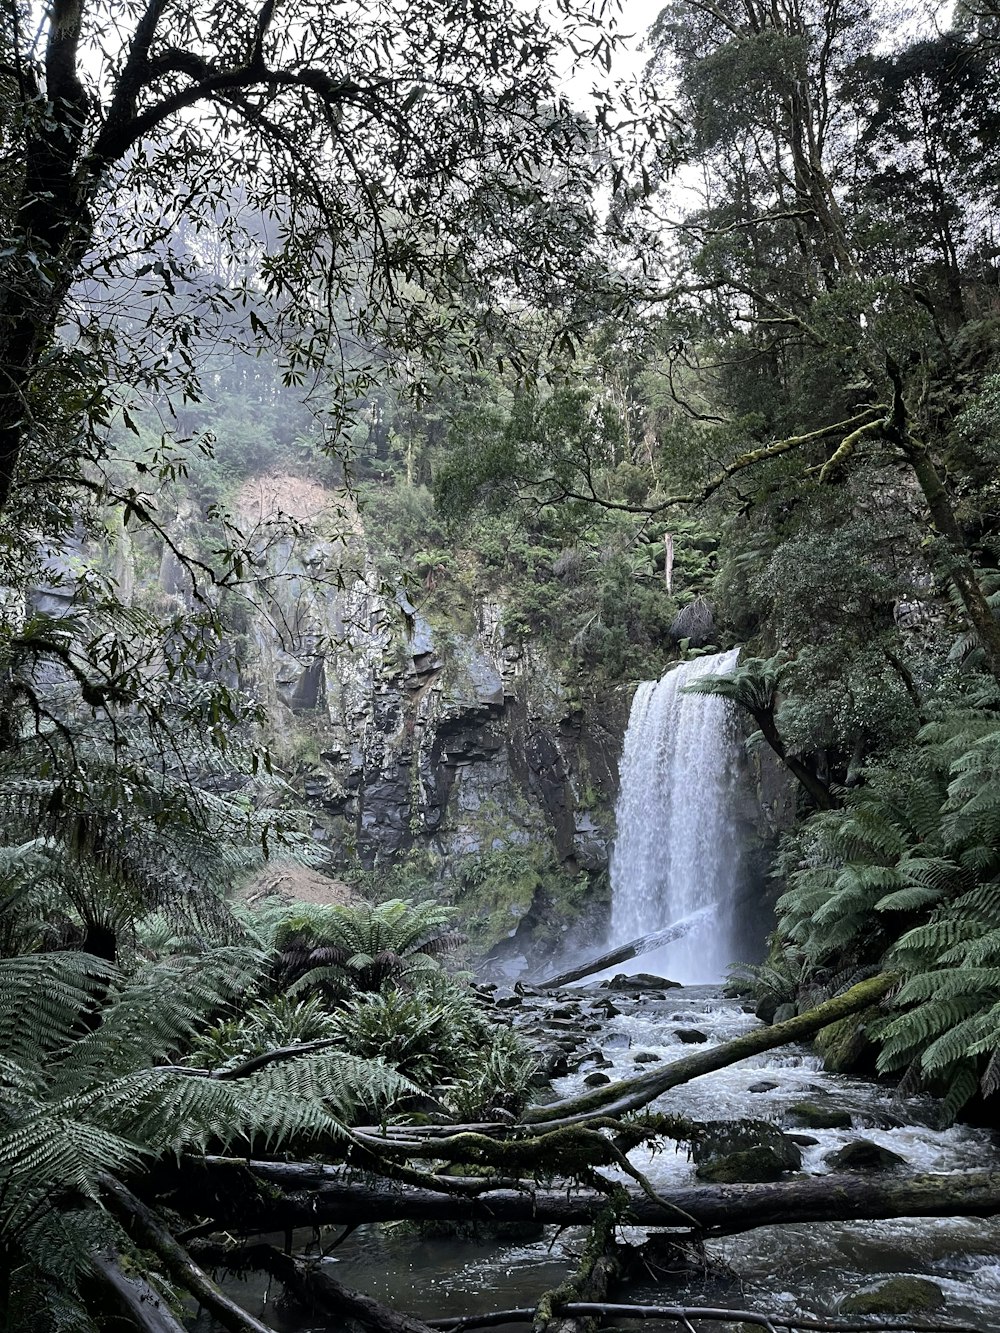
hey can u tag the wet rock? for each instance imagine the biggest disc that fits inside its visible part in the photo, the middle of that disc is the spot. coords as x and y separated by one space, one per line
762 1086
900 1295
646 1058
809 1115
557 1065
803 1140
638 981
617 1040
863 1155
738 1151
784 1012
594 1056
606 1008
691 1036
767 1008
596 1080
566 1011
845 1046
506 998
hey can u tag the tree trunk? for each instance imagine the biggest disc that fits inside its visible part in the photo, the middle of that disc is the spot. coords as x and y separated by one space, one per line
317 1291
631 1094
623 952
301 1194
147 1228
599 1265
960 569
685 1314
143 1306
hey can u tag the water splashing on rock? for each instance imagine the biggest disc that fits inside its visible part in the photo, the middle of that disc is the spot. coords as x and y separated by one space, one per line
677 850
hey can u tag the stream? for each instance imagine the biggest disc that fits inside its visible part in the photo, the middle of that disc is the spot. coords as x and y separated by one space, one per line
806 1267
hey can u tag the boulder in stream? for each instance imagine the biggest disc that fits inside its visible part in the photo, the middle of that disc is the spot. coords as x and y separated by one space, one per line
596 1080
690 1036
863 1155
638 981
744 1151
900 1295
809 1115
646 1058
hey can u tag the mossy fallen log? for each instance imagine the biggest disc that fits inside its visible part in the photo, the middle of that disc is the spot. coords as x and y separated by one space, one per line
293 1194
111 1289
147 1229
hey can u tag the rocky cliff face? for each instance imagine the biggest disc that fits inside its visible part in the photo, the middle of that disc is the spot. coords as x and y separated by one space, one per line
435 740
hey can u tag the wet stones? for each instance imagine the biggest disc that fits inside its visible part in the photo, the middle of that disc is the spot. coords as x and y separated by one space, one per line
690 1036
638 981
645 1058
763 1086
596 1079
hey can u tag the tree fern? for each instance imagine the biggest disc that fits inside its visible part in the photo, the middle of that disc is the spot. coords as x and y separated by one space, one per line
359 947
905 873
80 1099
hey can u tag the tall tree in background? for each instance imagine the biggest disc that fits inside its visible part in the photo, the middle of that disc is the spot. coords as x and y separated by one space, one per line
839 270
397 160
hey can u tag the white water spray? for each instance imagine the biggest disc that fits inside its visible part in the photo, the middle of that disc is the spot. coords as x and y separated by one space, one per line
676 849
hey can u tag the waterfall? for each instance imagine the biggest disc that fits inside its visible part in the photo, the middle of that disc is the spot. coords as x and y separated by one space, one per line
676 850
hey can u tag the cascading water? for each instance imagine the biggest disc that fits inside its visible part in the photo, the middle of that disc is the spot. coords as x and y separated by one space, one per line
676 852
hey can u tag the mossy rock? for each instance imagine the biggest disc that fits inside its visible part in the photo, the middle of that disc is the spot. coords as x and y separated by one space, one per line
808 1115
845 1047
863 1155
744 1151
900 1295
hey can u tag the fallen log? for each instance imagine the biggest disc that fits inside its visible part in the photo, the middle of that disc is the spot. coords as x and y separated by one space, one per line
623 952
144 1226
290 1194
688 1313
631 1094
131 1296
312 1287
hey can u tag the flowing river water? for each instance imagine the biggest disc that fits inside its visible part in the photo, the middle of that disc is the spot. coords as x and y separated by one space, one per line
677 854
802 1267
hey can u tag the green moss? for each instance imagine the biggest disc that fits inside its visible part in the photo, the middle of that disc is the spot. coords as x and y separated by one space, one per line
898 1296
845 1047
811 1116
